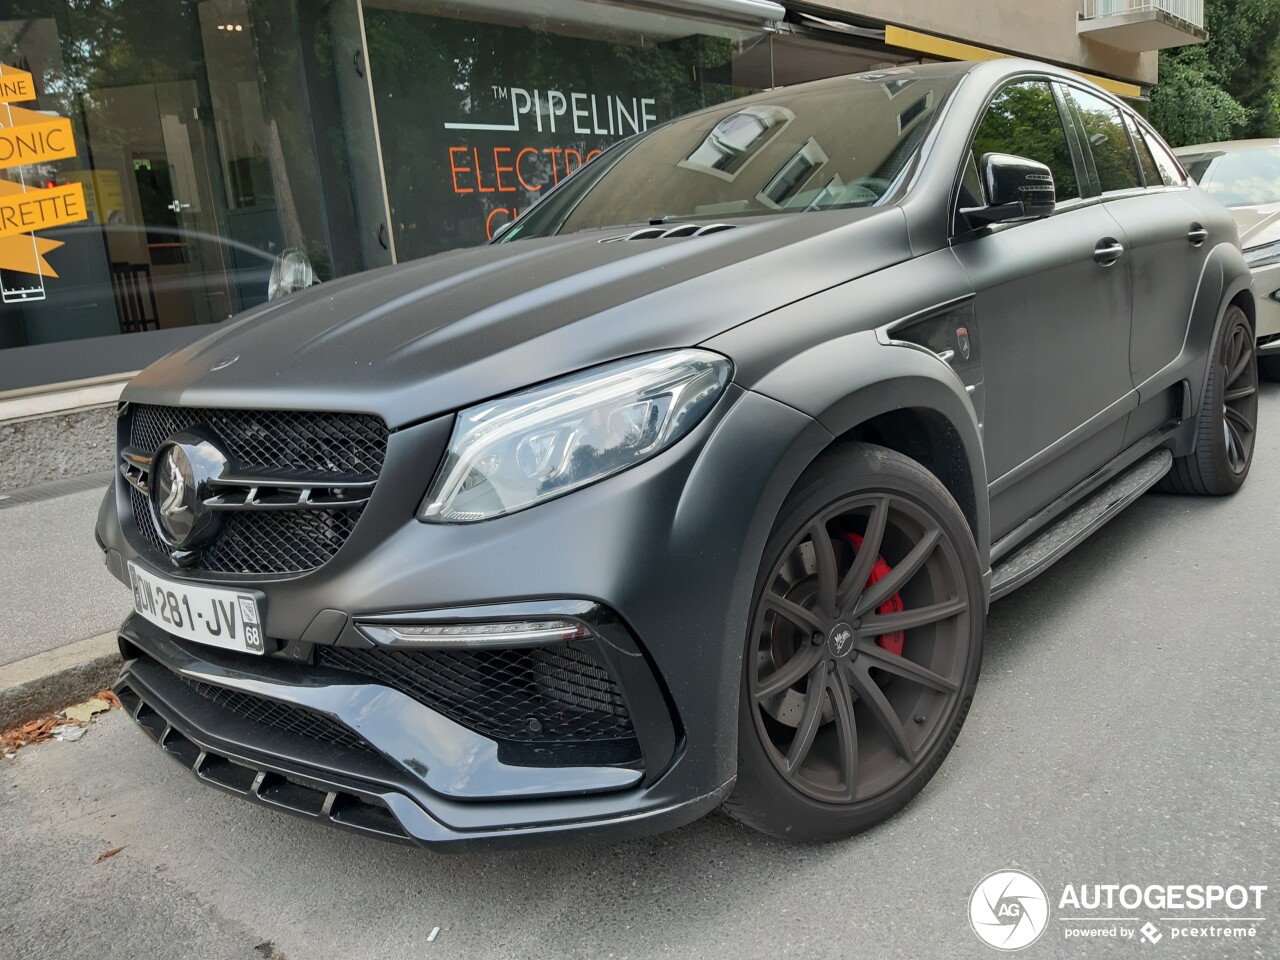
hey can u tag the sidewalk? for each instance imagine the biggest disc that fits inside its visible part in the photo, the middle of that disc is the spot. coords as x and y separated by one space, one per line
57 589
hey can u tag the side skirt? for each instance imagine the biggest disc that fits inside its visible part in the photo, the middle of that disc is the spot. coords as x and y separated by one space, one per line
1073 528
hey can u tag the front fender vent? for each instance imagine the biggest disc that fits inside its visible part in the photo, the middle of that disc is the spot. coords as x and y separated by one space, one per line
667 233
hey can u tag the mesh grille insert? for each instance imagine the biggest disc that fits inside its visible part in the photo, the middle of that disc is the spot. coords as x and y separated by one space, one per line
282 716
339 447
279 442
540 695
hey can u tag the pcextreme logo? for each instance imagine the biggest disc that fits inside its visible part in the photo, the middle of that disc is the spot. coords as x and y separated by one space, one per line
1009 910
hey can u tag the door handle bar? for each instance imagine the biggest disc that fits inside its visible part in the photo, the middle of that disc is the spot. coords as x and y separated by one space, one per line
1108 252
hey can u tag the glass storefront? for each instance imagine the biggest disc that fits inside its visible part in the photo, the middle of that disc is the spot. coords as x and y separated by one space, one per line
213 136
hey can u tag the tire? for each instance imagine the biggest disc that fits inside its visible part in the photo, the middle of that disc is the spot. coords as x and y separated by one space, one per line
1269 367
1228 417
899 696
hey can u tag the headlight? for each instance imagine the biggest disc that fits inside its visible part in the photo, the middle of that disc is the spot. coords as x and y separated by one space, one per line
1262 256
528 447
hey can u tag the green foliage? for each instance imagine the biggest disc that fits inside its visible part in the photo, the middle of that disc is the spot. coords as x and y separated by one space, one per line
1229 88
1188 107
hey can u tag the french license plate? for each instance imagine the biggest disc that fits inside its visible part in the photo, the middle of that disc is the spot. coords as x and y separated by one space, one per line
221 618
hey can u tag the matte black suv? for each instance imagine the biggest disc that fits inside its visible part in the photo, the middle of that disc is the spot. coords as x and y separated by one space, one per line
695 486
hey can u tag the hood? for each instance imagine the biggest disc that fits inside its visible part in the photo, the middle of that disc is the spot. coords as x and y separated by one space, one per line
1258 224
420 339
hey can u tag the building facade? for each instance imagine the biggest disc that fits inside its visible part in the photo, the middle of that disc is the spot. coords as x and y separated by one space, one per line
159 157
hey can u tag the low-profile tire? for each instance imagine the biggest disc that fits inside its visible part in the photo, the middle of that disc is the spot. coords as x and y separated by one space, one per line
863 651
1228 417
1269 368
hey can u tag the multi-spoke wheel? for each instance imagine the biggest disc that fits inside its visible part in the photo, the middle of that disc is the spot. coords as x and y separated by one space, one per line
1228 417
863 650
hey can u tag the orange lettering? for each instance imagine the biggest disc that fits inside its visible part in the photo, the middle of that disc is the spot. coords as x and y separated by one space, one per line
479 185
488 223
500 169
455 170
576 155
555 172
520 176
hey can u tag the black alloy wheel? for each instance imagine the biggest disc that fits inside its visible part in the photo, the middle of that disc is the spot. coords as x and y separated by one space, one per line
1226 425
1240 396
863 648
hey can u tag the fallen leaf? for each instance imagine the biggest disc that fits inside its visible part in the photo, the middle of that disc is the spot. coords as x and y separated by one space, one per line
83 712
111 698
25 734
109 854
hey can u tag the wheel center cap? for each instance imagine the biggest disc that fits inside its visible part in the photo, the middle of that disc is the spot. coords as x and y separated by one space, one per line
840 641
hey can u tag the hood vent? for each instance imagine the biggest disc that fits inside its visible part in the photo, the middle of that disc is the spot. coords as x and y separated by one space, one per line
666 233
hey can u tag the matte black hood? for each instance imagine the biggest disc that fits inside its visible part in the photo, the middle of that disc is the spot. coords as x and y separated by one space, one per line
423 338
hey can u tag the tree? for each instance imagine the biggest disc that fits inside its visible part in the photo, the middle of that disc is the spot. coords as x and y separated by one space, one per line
1228 88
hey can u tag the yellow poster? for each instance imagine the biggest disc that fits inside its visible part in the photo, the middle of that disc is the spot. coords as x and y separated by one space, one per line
27 137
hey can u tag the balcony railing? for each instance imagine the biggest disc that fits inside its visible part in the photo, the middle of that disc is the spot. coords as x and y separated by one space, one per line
1142 25
1188 11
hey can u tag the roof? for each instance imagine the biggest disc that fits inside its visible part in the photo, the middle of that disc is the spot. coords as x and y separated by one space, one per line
1227 146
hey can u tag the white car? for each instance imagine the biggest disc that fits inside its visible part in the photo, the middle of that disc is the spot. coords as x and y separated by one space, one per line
1244 175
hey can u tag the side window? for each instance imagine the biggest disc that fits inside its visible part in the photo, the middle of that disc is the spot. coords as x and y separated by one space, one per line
1150 172
1109 140
1171 171
1023 120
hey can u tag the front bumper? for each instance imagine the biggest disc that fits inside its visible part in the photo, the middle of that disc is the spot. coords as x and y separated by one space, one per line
670 548
389 780
1266 289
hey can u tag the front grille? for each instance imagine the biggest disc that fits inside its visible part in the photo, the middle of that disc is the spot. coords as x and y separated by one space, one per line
280 442
284 717
543 695
324 447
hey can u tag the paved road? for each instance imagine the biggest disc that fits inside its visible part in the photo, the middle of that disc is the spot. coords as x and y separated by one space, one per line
1124 731
55 586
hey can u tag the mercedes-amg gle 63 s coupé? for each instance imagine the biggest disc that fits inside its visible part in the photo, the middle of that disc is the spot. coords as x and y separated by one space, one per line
693 487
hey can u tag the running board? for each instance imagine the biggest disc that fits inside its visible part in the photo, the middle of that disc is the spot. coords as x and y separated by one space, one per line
1074 527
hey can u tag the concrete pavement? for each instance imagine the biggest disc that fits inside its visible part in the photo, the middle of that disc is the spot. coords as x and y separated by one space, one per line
1123 732
56 589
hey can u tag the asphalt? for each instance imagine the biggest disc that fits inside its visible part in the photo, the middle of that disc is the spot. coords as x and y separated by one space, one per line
55 586
1123 732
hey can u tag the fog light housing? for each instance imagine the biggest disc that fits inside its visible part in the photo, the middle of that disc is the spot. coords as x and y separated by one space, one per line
511 633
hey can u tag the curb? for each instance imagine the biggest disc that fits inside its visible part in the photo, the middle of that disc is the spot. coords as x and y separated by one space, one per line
49 681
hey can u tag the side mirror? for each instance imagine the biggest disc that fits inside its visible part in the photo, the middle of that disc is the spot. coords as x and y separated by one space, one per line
1016 189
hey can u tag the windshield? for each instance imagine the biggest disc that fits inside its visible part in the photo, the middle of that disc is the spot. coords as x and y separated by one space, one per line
841 143
1240 178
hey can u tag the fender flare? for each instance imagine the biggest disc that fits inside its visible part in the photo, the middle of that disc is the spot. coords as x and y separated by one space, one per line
851 380
1210 310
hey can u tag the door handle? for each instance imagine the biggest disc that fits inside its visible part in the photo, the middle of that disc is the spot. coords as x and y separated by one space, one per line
1197 234
1108 251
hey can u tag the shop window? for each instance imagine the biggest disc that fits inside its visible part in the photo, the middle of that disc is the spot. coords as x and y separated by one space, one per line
484 108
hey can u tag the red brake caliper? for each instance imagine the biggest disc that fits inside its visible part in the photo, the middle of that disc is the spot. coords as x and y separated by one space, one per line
889 641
